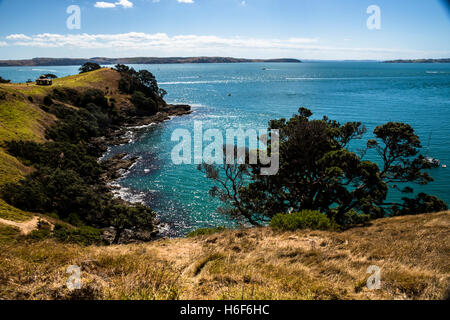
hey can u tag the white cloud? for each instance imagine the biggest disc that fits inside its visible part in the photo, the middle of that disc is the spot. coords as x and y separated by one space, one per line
122 3
18 37
161 44
3 44
102 4
145 40
186 1
125 3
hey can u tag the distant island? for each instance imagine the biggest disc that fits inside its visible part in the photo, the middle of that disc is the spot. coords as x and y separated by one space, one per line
445 60
138 60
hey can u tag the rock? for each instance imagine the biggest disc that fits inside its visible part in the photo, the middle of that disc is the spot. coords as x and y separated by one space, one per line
128 236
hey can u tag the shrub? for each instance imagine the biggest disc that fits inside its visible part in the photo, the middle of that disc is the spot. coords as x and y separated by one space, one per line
44 108
66 95
89 66
143 103
40 234
306 219
48 101
205 231
84 235
422 203
30 98
2 95
94 96
4 80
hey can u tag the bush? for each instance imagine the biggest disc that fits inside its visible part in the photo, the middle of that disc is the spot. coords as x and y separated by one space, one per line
205 231
4 80
89 66
30 98
66 95
48 101
40 234
84 235
143 103
423 203
44 108
94 96
306 219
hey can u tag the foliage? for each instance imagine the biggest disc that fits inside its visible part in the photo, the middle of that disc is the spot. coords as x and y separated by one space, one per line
4 80
229 180
67 182
53 190
123 217
89 66
83 235
50 76
205 231
422 203
143 103
66 94
306 219
93 96
318 171
39 234
48 101
143 86
61 155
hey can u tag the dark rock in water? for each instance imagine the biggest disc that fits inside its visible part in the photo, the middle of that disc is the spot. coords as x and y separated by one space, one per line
116 166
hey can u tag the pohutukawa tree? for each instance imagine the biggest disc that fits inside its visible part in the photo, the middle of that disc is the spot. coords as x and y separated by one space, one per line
319 171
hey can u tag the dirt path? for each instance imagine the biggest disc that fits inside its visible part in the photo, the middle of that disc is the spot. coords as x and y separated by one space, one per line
25 227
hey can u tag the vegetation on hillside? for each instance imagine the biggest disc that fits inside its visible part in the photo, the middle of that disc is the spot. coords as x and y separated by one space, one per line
89 66
67 182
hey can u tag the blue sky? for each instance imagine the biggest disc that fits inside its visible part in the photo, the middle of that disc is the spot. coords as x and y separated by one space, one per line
304 29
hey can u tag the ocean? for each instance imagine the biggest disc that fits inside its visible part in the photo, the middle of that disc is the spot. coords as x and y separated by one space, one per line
248 96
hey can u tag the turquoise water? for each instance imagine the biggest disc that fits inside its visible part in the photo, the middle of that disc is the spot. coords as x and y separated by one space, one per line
374 93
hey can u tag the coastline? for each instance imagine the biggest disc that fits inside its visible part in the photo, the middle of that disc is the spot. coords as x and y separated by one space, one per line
119 165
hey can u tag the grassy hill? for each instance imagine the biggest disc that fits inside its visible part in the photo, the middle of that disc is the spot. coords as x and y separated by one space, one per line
259 263
411 251
21 118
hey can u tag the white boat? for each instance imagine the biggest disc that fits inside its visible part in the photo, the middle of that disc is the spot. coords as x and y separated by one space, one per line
434 162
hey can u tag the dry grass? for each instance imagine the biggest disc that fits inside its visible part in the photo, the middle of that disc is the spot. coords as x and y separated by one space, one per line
411 251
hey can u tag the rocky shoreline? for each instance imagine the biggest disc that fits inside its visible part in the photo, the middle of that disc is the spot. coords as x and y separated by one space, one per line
116 166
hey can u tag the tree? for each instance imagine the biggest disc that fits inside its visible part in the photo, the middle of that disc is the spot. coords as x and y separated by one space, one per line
50 76
319 171
143 103
229 180
4 80
89 66
143 81
123 217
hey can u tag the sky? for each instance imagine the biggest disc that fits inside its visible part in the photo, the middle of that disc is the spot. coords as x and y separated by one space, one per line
302 29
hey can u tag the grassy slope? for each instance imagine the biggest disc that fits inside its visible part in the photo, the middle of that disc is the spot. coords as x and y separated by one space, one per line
412 252
21 119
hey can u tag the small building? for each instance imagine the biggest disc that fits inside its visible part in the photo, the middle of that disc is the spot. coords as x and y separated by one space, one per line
44 82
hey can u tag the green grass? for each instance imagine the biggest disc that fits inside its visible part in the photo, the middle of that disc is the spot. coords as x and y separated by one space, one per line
8 234
21 120
205 231
8 212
